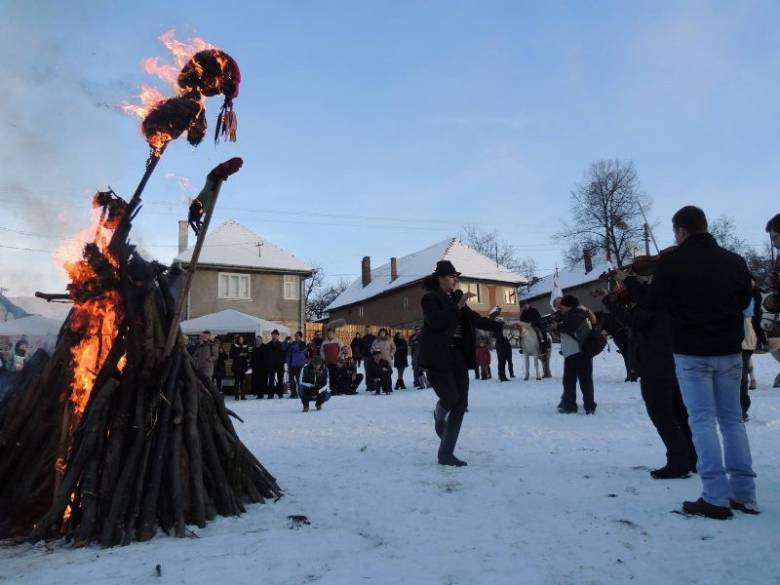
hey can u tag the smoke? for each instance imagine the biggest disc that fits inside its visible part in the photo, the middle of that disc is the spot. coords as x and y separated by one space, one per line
52 111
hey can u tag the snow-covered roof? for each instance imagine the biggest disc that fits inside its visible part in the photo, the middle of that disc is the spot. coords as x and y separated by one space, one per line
36 306
415 267
568 279
232 244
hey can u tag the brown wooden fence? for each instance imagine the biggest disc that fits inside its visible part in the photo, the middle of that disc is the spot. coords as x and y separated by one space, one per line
346 333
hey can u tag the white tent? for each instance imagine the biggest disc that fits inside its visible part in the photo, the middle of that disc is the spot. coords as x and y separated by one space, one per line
40 332
232 321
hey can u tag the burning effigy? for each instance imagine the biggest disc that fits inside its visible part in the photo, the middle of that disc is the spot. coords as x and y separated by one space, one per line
116 435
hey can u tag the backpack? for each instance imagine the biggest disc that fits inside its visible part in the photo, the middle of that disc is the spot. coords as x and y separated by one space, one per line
594 343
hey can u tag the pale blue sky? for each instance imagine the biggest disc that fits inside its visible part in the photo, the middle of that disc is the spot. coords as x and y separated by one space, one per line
420 115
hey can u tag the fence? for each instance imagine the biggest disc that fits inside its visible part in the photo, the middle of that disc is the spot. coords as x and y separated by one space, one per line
346 333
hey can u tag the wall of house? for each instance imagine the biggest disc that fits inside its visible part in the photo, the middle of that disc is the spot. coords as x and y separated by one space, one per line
266 297
402 308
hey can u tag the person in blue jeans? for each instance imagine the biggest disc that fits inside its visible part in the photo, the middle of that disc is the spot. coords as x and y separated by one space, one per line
706 289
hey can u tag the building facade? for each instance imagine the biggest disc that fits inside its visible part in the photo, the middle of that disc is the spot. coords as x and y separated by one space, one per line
391 294
576 282
238 269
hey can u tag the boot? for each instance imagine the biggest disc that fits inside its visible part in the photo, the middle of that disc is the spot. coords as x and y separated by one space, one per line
702 508
751 509
670 471
449 439
439 419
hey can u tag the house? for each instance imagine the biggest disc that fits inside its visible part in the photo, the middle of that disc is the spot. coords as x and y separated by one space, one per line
239 269
391 294
576 281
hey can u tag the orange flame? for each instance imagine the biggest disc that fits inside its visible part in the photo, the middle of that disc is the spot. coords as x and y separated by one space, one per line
95 319
149 97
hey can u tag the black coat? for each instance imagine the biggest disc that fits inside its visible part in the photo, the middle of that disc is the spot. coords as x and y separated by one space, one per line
705 289
366 342
441 318
401 358
503 347
650 334
240 356
375 371
530 315
274 355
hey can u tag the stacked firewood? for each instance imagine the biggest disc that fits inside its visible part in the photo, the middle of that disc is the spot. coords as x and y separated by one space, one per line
153 447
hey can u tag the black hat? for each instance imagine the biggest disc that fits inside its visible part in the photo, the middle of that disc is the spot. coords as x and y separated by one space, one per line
445 268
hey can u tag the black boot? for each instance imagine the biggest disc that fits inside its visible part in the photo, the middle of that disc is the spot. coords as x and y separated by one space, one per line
564 408
449 440
670 471
702 508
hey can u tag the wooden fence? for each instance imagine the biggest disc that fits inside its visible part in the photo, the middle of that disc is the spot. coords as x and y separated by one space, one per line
346 333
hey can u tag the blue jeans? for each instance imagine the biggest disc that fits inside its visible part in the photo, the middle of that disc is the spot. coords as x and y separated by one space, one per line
710 389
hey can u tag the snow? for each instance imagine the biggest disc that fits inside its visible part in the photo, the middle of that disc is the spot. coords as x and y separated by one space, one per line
234 245
415 267
546 499
568 279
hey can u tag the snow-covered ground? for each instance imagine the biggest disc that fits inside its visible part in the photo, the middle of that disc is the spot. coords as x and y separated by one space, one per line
547 498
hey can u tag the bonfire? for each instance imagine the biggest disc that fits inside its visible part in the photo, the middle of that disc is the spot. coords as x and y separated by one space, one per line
116 435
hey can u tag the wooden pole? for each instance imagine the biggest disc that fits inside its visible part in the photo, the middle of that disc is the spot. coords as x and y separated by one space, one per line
173 332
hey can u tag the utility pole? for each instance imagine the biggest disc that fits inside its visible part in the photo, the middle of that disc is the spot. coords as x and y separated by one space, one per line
647 239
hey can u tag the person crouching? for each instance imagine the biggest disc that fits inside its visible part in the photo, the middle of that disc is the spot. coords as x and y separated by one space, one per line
314 382
378 373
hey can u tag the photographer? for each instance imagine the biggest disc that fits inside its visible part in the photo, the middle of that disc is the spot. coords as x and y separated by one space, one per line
575 326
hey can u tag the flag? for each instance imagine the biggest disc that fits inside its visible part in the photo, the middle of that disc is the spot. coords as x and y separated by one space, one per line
557 293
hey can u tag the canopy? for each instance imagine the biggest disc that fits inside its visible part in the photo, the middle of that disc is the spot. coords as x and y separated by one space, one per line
232 321
39 331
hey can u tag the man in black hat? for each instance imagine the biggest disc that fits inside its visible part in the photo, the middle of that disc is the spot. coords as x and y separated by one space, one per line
378 372
448 352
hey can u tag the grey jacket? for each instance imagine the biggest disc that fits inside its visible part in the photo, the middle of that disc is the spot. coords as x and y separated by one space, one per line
205 356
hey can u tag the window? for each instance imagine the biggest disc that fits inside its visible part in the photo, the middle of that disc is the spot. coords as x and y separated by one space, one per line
475 289
406 302
292 288
233 286
510 296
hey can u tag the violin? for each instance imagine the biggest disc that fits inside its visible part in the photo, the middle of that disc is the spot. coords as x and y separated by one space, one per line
772 301
646 265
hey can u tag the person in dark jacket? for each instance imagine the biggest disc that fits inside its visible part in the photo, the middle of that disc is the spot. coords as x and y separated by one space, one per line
313 347
220 368
379 374
706 289
574 327
258 361
296 359
239 353
355 347
503 350
448 352
345 379
274 363
366 345
400 360
314 379
651 359
415 345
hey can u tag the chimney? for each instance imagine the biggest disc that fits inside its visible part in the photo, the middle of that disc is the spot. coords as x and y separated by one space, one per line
184 228
365 270
588 261
393 269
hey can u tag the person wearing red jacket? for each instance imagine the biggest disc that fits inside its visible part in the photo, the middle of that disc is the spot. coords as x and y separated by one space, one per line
483 361
330 351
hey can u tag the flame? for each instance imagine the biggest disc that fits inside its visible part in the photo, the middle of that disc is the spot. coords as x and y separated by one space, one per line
95 319
182 51
149 97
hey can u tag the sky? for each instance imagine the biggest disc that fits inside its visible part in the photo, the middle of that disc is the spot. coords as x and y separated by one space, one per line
380 128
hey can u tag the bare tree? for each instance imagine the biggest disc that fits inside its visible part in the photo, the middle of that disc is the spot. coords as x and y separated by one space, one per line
606 212
724 229
490 244
312 286
323 297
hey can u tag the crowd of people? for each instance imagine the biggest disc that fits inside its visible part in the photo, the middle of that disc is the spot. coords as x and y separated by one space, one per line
690 330
311 371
